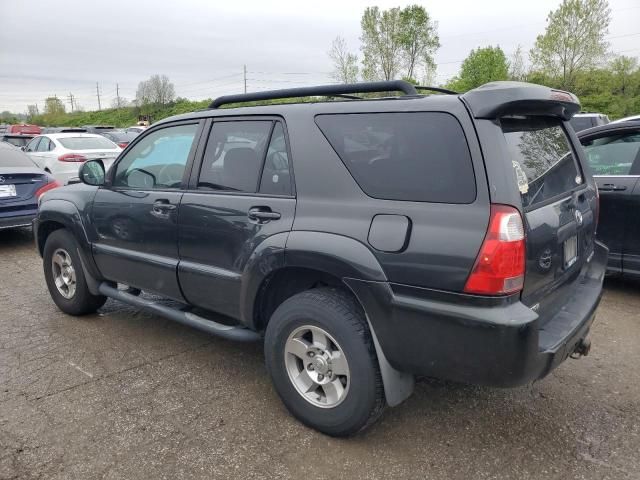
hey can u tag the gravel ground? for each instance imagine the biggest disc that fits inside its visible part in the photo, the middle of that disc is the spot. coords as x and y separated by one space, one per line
123 394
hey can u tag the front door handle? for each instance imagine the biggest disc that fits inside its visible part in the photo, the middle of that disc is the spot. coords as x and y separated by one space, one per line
162 207
610 187
262 214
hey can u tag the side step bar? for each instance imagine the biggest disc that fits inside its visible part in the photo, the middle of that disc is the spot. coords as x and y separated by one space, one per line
229 332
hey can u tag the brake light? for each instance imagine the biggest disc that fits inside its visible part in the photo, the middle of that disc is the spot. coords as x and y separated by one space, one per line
72 157
46 187
123 144
500 266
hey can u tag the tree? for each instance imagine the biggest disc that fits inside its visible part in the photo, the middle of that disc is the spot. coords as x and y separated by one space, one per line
381 44
158 89
574 39
345 63
623 68
418 39
53 106
397 42
120 102
517 70
483 65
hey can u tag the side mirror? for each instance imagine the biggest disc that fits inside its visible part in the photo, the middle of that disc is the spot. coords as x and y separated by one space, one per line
92 173
23 148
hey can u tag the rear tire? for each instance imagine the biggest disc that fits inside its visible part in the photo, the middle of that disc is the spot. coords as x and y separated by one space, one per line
65 277
338 403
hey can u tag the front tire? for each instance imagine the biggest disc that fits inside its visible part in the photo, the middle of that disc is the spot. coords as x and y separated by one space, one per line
65 277
322 361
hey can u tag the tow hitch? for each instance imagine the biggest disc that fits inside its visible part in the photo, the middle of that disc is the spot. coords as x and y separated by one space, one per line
581 349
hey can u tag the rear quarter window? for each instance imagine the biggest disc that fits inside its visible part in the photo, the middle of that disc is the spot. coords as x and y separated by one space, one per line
542 158
411 156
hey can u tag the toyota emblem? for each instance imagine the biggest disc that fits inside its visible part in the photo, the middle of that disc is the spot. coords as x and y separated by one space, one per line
1 179
578 217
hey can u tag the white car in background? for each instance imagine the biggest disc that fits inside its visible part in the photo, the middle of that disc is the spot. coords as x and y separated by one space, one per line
61 154
136 129
634 118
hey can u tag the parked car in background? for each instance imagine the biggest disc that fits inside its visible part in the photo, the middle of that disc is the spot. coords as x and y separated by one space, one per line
17 140
61 154
25 129
63 130
633 118
21 185
447 235
119 137
98 128
613 153
136 129
582 121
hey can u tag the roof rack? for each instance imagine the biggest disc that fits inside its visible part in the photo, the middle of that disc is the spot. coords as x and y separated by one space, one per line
436 89
323 90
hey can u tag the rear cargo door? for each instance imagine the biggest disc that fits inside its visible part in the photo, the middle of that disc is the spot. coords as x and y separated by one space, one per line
559 206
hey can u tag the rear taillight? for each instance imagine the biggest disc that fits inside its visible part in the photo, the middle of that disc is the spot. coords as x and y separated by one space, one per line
123 144
46 187
72 157
500 266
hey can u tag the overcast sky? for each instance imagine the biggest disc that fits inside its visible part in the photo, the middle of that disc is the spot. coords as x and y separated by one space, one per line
66 46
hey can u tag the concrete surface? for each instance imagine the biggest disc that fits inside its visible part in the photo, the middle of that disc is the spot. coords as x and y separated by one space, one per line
123 394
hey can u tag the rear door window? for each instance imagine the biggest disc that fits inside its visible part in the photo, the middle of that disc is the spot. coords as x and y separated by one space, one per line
413 156
542 157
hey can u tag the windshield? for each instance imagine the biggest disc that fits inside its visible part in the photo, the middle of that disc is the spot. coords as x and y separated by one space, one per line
87 143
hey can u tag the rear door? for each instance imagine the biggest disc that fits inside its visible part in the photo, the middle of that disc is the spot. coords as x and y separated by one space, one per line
241 194
613 157
559 205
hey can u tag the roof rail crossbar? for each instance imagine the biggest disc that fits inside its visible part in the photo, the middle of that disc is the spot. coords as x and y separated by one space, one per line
323 90
436 89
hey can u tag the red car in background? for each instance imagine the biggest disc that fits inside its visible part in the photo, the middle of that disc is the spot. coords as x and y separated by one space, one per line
24 129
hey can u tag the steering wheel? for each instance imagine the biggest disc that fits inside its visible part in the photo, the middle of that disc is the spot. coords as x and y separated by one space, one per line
170 175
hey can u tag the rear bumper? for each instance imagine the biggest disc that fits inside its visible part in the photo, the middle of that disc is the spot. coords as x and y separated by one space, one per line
479 340
16 221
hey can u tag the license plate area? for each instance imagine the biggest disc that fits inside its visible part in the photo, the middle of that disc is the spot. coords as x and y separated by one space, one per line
570 251
7 191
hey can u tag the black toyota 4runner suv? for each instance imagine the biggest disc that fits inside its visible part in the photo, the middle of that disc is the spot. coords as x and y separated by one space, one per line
367 240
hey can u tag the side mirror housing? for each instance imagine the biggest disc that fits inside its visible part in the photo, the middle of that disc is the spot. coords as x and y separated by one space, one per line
92 173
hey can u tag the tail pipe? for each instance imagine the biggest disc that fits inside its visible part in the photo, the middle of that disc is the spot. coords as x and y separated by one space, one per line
229 332
582 348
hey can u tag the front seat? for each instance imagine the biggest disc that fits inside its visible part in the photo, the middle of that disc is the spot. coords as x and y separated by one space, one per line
241 169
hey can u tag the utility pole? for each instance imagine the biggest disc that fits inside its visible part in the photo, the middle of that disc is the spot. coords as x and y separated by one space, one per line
71 101
118 95
245 79
98 94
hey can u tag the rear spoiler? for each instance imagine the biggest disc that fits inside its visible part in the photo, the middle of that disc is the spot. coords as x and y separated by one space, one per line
497 99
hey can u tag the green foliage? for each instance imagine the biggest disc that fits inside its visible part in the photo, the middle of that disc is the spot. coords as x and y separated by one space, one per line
574 39
397 42
345 63
483 65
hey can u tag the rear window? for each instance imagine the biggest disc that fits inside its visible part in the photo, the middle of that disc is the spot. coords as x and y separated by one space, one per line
582 123
86 143
542 158
413 156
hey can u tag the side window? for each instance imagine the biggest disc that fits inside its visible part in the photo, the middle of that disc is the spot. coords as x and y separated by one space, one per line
43 146
33 144
158 160
276 175
234 154
413 156
613 155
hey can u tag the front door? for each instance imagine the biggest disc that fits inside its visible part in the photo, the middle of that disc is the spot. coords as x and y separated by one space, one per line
135 215
612 157
240 195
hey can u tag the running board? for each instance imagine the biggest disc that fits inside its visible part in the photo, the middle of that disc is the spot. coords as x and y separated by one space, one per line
229 332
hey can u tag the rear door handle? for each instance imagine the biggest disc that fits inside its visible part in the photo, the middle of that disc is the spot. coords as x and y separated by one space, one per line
262 214
610 187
